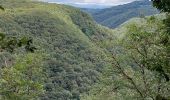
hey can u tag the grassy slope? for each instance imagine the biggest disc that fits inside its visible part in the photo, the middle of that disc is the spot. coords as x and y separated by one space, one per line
74 42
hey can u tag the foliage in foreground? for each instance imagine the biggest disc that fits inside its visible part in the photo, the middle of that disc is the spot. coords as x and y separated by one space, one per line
79 56
22 80
142 67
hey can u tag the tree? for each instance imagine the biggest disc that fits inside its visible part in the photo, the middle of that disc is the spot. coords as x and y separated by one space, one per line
144 47
9 43
2 8
23 80
141 69
163 5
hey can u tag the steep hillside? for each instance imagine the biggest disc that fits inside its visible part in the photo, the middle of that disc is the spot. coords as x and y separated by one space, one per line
72 41
115 16
58 52
140 42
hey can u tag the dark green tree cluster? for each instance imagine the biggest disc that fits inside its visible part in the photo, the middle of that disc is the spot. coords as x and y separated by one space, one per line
11 43
1 8
163 5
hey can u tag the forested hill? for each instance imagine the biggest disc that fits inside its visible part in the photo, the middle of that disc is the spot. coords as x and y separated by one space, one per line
70 40
58 52
115 16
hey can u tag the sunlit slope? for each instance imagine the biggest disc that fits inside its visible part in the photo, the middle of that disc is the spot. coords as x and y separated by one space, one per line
73 42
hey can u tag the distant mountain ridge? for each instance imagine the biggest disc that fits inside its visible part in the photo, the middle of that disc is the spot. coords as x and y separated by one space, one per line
81 4
115 16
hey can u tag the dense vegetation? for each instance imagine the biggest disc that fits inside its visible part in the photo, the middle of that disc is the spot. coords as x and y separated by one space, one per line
57 52
115 16
141 67
67 41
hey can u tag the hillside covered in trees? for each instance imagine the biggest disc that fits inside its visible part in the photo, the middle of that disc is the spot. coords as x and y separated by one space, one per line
116 15
68 41
58 52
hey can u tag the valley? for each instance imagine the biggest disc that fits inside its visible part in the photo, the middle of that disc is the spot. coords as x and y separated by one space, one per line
59 52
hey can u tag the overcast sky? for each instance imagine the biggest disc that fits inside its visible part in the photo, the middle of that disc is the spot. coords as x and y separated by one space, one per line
109 2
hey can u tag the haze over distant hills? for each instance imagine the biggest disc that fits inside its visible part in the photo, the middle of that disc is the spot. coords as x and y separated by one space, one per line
116 15
58 52
90 4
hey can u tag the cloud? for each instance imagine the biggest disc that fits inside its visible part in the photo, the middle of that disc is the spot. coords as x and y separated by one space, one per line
113 2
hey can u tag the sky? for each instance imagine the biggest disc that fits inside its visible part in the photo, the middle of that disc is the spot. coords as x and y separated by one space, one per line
90 3
106 2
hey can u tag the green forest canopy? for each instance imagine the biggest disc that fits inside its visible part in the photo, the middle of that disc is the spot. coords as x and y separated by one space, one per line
75 58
